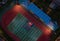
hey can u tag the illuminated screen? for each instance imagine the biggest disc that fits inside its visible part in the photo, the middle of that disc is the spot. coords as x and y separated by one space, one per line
24 29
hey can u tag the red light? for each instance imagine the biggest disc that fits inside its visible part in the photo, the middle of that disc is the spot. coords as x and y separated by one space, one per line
30 24
48 31
17 8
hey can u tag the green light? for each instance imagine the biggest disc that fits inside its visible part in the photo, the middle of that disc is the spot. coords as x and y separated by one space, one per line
20 27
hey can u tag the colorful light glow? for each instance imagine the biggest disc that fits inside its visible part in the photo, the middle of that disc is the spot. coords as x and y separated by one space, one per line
17 8
52 26
30 24
48 31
